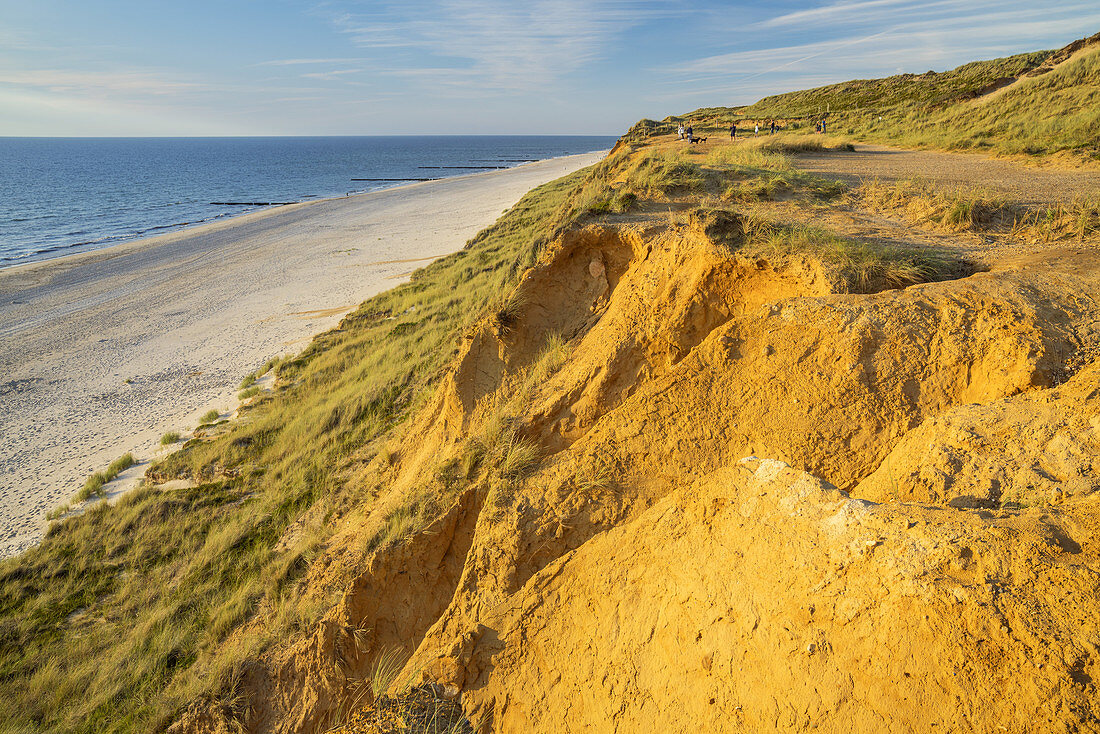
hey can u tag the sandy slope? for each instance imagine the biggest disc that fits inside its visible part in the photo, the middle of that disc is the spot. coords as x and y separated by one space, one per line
103 352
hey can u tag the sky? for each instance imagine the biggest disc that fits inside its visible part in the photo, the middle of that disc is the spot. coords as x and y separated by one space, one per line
381 67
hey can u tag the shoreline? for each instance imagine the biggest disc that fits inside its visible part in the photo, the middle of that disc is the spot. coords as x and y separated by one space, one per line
105 350
231 217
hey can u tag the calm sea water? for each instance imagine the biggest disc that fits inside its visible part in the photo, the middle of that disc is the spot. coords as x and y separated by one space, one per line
64 195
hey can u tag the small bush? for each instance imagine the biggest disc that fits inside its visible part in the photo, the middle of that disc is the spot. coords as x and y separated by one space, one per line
248 381
209 417
250 392
169 438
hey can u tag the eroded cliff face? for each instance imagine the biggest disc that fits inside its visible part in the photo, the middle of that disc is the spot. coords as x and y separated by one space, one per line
646 574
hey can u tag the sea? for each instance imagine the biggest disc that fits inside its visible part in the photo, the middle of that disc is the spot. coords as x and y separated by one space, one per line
60 196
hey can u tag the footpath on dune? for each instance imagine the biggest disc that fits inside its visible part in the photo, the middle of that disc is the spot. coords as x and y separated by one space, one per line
1028 185
706 489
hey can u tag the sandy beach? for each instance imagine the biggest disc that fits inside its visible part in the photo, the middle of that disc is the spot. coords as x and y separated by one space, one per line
103 352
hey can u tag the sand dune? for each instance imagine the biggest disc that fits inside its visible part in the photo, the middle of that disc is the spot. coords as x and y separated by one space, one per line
105 351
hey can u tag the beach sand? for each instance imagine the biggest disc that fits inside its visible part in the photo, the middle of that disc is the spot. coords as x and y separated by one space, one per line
103 352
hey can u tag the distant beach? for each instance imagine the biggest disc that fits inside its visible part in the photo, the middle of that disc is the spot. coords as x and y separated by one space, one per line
60 196
105 351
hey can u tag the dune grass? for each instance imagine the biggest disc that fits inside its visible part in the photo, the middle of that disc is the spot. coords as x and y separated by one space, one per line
169 438
637 175
124 614
93 486
962 209
250 392
972 107
210 416
863 267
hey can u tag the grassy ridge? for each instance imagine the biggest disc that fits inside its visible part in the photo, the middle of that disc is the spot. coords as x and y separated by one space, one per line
1040 115
876 96
128 612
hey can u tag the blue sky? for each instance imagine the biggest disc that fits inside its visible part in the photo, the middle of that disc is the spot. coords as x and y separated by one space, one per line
331 67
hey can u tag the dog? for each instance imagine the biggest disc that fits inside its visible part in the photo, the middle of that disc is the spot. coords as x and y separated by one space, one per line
698 140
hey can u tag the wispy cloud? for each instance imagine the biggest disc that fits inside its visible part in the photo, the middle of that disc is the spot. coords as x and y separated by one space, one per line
494 43
94 82
305 62
330 75
834 12
945 34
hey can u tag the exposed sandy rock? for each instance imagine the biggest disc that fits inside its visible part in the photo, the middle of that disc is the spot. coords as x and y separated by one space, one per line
761 598
642 578
1032 449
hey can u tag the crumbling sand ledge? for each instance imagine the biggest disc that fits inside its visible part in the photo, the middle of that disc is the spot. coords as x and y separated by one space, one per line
105 351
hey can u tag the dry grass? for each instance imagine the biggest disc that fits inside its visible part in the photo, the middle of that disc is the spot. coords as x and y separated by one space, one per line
93 486
957 210
1053 113
859 266
121 617
952 210
249 393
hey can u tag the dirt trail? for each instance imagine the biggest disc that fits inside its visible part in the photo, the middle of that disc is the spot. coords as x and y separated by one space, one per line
1019 183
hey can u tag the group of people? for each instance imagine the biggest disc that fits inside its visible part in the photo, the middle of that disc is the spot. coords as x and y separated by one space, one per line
686 133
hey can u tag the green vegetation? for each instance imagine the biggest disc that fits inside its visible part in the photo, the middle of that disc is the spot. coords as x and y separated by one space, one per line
639 175
878 96
209 417
862 266
121 617
984 105
970 209
93 486
249 393
169 438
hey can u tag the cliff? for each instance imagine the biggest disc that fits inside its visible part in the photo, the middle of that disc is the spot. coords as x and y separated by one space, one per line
693 440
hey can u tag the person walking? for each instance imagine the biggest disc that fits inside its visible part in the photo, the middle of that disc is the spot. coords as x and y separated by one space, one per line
733 131
756 130
823 129
680 132
689 132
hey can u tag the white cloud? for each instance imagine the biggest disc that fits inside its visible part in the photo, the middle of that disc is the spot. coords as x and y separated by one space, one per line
939 40
494 43
304 62
330 75
95 82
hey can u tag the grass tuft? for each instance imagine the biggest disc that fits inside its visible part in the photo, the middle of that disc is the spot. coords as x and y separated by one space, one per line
249 393
861 266
93 486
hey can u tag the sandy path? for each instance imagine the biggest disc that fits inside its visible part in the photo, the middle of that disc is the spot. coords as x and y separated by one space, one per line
103 352
1016 182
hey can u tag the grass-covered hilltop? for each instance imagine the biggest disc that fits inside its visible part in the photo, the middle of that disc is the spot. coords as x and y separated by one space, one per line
1035 103
718 436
